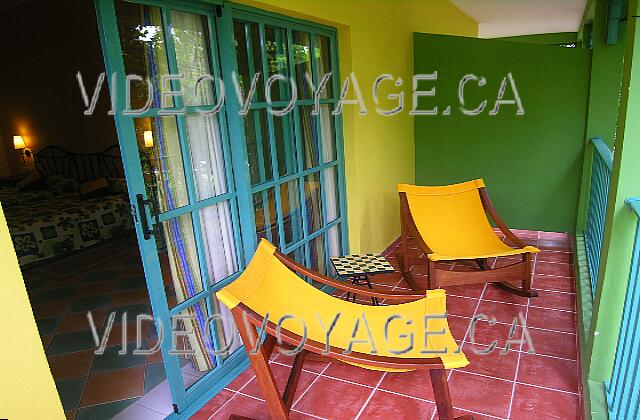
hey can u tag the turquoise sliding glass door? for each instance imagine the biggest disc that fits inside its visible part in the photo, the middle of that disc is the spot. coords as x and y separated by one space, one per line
177 159
207 181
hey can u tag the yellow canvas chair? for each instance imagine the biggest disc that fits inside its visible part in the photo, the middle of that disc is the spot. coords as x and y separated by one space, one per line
272 306
449 224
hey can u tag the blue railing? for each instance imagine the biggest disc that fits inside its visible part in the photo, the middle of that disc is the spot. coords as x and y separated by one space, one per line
597 213
623 391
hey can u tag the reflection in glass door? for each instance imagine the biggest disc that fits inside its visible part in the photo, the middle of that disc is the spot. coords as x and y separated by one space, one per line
295 160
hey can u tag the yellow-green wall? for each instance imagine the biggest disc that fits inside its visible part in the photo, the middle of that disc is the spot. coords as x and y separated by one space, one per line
26 384
376 37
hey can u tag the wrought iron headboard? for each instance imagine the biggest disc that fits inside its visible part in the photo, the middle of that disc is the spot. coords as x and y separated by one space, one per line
54 160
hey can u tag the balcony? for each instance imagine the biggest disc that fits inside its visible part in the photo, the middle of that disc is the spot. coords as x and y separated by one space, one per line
430 94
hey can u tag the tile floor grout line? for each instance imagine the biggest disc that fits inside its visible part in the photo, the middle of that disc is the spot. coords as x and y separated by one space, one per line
479 413
528 327
526 315
86 381
516 381
516 304
373 391
548 388
556 276
553 309
329 376
148 408
309 387
292 409
556 291
235 392
484 288
556 262
513 303
535 354
553 331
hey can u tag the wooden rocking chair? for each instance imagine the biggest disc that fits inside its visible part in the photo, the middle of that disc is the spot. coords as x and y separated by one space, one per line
272 307
449 223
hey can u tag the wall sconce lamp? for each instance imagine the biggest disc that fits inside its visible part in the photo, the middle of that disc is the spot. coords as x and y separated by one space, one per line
19 144
148 139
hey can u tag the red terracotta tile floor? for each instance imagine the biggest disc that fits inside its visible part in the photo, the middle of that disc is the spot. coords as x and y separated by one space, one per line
523 383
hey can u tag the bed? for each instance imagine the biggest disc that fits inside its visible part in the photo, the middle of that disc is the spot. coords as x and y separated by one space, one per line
54 219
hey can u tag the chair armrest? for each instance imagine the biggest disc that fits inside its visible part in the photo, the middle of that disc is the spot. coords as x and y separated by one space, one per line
488 206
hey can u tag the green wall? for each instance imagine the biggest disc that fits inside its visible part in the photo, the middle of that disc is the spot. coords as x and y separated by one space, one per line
531 163
604 95
545 39
606 80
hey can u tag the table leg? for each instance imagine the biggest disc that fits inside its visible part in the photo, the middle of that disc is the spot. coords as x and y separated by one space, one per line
355 280
374 300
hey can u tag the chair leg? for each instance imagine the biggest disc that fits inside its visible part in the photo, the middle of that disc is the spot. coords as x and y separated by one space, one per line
482 263
528 273
294 377
441 394
403 255
374 300
525 290
269 345
432 282
403 262
260 364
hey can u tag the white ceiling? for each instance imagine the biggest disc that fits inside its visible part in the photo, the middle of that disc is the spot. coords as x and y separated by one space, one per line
498 18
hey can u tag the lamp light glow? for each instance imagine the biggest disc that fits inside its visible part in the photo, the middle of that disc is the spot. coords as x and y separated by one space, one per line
148 139
18 143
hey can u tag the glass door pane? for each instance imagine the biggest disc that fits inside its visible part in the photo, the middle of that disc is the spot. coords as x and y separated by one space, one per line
190 37
294 160
161 157
180 174
207 156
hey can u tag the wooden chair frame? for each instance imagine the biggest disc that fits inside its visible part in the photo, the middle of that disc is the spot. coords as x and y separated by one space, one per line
519 272
278 404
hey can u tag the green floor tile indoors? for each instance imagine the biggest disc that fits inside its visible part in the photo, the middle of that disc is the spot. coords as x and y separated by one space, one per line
52 295
47 326
132 312
111 360
71 342
95 276
132 283
70 391
90 303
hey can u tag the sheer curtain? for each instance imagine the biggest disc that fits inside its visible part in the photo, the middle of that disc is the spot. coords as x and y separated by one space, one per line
327 128
208 163
207 157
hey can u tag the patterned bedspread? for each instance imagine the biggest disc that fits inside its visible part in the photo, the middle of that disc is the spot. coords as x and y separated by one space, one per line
43 226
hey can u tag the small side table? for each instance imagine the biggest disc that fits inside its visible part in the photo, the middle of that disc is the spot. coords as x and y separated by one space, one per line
358 268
